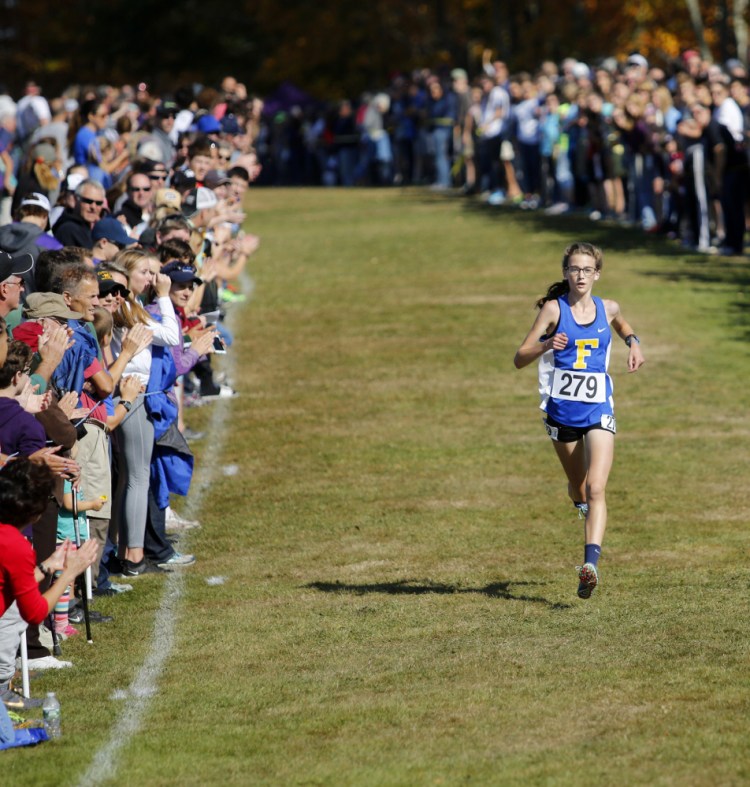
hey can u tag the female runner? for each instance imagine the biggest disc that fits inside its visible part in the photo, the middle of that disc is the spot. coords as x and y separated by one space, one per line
571 337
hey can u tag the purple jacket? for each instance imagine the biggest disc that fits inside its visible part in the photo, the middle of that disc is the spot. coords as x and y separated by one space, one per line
20 432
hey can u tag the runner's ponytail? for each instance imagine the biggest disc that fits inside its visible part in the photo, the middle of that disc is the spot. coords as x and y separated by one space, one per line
555 291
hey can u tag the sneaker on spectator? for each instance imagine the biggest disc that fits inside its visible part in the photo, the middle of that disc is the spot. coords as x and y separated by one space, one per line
15 701
191 435
219 392
177 561
131 569
177 524
114 589
496 198
46 662
96 617
121 587
192 399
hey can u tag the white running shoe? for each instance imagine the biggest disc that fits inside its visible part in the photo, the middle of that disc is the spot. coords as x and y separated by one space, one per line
177 560
176 523
46 662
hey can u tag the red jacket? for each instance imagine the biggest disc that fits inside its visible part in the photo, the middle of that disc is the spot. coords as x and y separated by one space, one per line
17 583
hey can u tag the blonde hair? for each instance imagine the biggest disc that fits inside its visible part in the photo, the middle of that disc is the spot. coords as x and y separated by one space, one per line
131 311
103 323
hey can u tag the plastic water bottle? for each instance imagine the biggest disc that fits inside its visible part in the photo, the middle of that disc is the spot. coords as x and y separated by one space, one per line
51 713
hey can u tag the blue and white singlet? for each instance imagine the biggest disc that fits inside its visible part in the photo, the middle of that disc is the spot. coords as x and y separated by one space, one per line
574 386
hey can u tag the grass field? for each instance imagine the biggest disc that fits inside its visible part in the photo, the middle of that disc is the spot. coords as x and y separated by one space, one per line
398 549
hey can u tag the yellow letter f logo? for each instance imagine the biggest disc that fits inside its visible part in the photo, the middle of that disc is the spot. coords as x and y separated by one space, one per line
583 346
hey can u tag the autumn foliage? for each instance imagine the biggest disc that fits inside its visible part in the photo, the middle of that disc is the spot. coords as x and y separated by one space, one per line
333 47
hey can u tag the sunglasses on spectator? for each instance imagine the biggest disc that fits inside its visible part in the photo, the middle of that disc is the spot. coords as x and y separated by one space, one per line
140 188
158 176
120 289
89 201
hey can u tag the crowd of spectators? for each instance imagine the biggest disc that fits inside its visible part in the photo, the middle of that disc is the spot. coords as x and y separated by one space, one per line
121 248
661 147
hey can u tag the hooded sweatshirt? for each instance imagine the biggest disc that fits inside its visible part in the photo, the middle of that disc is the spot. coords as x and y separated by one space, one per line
73 230
22 237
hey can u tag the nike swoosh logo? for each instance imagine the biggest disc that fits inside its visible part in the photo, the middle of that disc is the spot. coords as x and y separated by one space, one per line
600 330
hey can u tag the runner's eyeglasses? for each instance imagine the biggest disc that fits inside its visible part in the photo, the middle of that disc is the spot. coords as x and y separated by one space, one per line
587 272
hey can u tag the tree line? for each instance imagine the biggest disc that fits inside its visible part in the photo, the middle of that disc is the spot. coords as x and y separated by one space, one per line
336 48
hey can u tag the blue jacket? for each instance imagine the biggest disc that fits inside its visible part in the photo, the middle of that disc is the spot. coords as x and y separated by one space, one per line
69 374
171 460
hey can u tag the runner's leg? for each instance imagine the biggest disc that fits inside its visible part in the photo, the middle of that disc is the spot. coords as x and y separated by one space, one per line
599 448
572 457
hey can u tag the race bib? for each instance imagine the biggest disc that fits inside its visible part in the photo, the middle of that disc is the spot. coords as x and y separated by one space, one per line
608 422
587 387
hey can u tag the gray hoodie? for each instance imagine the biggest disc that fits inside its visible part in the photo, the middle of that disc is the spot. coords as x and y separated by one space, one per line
22 237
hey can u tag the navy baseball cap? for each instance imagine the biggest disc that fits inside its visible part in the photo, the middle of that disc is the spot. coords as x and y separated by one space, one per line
181 272
113 230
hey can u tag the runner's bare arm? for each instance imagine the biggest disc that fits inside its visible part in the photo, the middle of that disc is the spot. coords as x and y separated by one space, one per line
623 329
532 347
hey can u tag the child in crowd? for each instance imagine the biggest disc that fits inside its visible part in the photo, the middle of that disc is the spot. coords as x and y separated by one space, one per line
66 530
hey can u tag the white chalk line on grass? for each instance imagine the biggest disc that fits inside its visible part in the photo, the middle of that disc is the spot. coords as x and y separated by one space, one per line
145 684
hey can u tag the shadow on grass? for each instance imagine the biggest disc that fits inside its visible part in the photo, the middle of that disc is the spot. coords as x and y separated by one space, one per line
407 587
679 264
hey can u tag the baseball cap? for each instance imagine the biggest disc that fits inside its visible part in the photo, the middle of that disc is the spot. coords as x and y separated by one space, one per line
168 198
181 272
215 178
198 199
113 230
107 284
229 125
208 124
637 60
167 109
73 181
459 73
36 200
184 180
14 266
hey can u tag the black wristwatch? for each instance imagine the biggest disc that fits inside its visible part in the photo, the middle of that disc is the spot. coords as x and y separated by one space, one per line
126 405
632 338
48 572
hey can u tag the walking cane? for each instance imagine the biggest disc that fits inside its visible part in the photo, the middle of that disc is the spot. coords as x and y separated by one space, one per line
25 666
81 579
